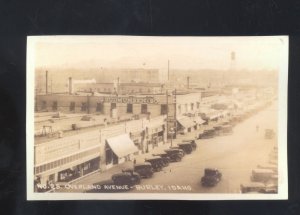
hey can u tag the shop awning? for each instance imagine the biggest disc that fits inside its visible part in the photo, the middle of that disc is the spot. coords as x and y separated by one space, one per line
122 145
199 120
185 122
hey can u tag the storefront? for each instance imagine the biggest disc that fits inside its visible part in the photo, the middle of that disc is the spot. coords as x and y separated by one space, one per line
185 124
78 170
119 149
198 121
155 133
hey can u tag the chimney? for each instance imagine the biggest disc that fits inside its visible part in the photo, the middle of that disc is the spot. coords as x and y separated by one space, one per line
46 82
70 86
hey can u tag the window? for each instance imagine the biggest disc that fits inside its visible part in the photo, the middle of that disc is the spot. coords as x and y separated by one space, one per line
179 109
54 106
198 105
113 106
163 109
83 106
140 90
144 109
129 108
72 106
44 105
99 107
192 106
186 107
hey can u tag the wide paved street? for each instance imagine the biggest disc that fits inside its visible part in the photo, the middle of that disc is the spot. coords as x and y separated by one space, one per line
235 156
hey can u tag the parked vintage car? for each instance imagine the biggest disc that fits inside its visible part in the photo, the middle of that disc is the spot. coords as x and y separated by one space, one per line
157 163
268 166
253 187
209 133
164 156
227 129
178 148
175 155
262 175
126 178
271 188
192 142
218 129
143 169
186 147
211 177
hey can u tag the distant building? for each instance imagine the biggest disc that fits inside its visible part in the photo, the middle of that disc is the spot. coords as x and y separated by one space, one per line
122 88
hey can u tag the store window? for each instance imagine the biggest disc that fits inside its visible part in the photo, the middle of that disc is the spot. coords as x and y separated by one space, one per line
144 109
129 108
83 106
72 106
54 106
163 109
99 107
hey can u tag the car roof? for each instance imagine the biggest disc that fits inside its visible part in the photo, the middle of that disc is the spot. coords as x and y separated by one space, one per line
120 174
153 158
160 153
253 184
143 164
187 140
173 149
210 169
263 170
184 143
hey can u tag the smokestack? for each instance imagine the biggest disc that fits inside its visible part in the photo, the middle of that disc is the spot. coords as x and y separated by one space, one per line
46 82
70 86
168 70
188 82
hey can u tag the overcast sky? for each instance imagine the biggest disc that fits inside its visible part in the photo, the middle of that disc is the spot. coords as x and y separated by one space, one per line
154 52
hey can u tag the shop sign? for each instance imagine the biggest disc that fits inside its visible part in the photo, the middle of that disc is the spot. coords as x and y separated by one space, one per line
128 100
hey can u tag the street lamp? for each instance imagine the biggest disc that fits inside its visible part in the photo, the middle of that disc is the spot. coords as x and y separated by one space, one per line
172 132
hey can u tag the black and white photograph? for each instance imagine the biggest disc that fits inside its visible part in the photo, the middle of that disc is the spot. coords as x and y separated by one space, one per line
148 117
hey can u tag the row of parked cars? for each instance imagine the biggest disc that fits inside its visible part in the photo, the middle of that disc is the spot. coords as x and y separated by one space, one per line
213 176
155 163
264 179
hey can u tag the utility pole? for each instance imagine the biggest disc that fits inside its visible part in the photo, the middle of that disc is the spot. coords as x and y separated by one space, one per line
46 82
118 85
167 113
175 112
